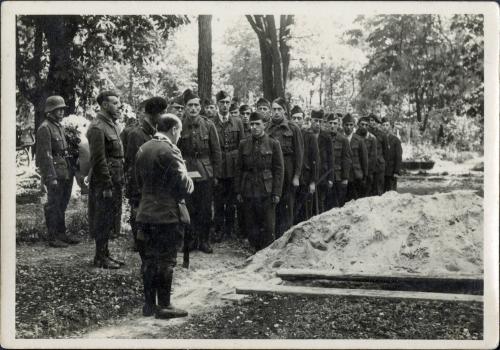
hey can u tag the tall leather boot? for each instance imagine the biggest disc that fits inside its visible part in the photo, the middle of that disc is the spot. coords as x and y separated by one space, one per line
101 259
164 288
148 278
52 237
204 241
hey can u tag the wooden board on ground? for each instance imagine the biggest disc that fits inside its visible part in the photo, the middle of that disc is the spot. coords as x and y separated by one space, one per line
317 291
289 274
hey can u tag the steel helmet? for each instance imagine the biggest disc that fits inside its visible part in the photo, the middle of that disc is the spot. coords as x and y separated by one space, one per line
54 102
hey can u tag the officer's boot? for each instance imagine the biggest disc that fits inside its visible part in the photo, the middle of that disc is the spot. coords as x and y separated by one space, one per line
52 238
164 288
113 259
101 260
148 277
204 242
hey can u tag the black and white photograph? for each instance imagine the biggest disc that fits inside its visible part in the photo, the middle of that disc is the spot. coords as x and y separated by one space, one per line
199 175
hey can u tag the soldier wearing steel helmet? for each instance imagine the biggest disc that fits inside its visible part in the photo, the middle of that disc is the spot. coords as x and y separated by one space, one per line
51 158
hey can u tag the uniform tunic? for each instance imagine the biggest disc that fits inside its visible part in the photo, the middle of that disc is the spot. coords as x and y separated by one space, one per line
359 168
310 169
393 162
342 165
326 172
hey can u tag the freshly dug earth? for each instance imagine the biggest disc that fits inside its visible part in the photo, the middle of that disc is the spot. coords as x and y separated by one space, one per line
434 235
294 317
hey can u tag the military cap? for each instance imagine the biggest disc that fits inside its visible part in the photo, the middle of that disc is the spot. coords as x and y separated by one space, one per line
348 119
244 108
54 102
221 95
330 116
296 109
363 119
177 100
384 120
208 102
257 116
189 95
105 94
281 101
374 117
317 114
263 102
339 115
233 107
155 105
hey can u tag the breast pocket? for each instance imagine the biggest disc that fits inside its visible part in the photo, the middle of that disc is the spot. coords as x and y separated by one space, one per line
114 146
266 159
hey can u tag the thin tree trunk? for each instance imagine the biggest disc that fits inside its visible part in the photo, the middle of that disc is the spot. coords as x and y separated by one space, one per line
205 56
276 55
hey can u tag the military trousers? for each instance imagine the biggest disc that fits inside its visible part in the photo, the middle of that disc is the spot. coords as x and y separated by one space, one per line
260 221
285 210
303 204
104 213
225 206
199 205
339 191
378 183
355 189
58 197
391 183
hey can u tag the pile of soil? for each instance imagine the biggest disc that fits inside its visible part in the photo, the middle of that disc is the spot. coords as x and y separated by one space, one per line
433 235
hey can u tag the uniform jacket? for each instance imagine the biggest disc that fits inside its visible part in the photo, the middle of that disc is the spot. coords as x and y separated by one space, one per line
310 167
260 168
371 148
132 141
200 147
326 156
394 156
106 152
342 161
382 141
51 151
289 137
359 168
246 129
230 134
163 181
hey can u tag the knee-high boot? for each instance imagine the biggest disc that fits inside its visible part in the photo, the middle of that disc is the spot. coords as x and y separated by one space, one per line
164 288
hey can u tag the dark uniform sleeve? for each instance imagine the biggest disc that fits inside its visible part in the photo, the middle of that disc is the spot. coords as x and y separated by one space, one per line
314 160
363 157
238 171
178 173
346 161
215 152
331 160
298 148
398 155
278 169
44 154
98 161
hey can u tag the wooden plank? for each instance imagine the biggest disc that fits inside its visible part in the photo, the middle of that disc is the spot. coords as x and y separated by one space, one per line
289 274
395 294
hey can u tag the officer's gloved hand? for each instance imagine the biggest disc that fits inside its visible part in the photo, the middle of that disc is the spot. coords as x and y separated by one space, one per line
107 193
295 181
344 182
276 199
239 198
53 183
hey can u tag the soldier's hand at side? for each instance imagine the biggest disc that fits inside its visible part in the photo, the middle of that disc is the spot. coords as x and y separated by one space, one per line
216 182
329 184
53 183
344 182
295 181
239 198
312 187
276 199
107 194
396 175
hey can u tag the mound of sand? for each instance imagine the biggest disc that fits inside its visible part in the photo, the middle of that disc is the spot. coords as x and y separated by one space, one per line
440 234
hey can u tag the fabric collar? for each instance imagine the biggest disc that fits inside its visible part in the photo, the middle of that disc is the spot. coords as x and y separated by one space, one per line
103 115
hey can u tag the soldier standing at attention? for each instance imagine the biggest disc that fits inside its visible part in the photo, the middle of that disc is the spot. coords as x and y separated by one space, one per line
162 176
289 137
51 154
230 133
325 172
376 129
341 161
309 175
371 148
264 107
259 181
200 147
245 112
394 158
359 167
106 178
136 137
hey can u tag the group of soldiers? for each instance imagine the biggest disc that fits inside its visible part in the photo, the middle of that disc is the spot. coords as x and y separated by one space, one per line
207 170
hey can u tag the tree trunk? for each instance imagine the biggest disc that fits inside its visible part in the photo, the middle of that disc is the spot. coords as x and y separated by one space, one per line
267 71
205 56
276 56
285 22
